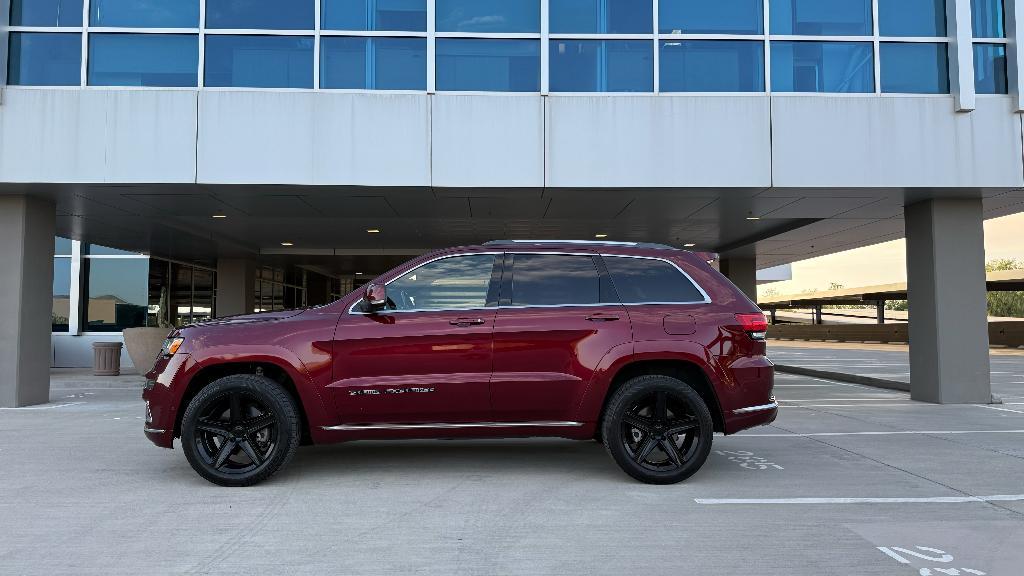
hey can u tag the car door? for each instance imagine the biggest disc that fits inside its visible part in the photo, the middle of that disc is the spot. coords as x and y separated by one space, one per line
425 357
557 319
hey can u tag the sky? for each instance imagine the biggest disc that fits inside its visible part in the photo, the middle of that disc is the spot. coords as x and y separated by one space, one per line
886 263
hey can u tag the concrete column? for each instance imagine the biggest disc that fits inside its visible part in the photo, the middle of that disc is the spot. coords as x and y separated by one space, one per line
961 54
743 273
946 298
880 311
235 280
27 228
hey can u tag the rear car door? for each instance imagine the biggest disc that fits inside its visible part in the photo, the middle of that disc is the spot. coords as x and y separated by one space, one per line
558 317
426 356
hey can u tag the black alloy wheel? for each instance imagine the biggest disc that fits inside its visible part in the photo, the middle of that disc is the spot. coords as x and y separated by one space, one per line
239 430
658 429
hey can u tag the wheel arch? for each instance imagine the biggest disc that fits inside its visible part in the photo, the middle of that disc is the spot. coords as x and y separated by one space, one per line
681 369
213 372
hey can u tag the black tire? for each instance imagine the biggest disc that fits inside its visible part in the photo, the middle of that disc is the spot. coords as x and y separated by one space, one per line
648 416
239 430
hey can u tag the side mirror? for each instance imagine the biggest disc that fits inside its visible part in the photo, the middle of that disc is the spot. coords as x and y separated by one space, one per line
375 295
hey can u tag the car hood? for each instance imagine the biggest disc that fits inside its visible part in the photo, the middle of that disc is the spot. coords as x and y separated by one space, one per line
250 318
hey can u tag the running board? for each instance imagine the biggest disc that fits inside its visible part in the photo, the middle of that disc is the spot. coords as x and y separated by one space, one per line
448 426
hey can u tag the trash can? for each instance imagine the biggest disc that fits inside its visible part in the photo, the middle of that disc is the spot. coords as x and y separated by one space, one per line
106 358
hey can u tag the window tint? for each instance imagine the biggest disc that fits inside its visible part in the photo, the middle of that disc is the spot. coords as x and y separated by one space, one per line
990 68
552 280
44 59
145 13
710 17
406 15
821 17
261 14
844 67
455 283
602 66
914 68
600 17
356 62
116 293
61 295
987 19
46 13
912 17
143 60
640 280
712 66
490 65
259 61
488 15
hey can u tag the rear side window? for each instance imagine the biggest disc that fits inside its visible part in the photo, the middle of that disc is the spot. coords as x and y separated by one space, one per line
554 280
643 280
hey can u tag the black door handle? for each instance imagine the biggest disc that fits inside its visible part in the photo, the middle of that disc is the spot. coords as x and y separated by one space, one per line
602 318
466 322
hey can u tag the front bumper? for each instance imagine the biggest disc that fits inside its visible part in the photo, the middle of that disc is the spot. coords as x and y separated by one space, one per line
163 391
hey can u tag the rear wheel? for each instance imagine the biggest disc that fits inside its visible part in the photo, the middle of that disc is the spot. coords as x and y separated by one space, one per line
658 429
240 430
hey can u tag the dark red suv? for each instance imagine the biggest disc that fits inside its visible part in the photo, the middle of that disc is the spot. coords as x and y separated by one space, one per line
644 347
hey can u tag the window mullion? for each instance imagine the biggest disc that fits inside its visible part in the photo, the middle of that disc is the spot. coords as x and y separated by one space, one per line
84 80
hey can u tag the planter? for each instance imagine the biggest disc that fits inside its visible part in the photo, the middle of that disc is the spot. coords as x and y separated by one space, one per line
143 346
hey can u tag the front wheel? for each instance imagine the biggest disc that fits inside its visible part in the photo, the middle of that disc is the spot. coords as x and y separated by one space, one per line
239 430
658 429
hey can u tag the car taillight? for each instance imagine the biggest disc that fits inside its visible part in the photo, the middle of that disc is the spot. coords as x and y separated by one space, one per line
756 325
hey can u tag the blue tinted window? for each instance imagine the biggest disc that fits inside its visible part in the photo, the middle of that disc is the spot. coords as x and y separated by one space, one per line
822 67
44 59
261 14
602 66
143 60
710 17
259 61
488 15
408 15
145 13
468 64
987 19
46 12
601 16
373 63
990 68
912 17
914 68
821 17
712 66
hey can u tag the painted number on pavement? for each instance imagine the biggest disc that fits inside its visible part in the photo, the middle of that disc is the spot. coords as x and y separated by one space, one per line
748 460
932 561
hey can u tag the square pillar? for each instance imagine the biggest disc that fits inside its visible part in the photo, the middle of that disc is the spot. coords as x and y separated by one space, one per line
949 357
27 228
743 273
236 279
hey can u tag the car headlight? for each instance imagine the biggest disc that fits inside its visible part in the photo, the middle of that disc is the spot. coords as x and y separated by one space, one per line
171 346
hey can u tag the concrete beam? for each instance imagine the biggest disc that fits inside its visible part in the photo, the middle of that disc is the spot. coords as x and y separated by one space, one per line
743 273
949 361
27 228
236 279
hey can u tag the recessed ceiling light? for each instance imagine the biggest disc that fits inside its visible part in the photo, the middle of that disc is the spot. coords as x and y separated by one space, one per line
753 217
287 244
373 231
690 245
220 215
359 273
600 235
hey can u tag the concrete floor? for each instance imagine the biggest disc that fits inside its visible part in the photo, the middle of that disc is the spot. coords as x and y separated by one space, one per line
83 492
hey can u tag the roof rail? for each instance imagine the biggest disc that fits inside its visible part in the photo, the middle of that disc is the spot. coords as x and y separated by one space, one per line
584 243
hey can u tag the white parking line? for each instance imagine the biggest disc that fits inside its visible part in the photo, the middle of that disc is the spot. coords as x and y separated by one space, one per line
46 407
1000 409
866 399
878 433
932 500
807 385
852 406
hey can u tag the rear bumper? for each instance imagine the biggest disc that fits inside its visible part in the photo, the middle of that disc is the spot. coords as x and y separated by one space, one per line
751 416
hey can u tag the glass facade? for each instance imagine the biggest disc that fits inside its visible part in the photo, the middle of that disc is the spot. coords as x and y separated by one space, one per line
495 45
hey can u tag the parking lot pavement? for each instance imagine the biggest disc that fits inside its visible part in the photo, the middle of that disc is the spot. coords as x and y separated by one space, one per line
892 362
850 480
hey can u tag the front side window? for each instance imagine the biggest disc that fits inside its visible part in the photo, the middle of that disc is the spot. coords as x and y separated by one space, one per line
261 14
259 61
143 60
373 63
554 280
489 65
488 15
712 66
144 13
841 67
710 17
405 15
456 283
46 13
647 281
44 59
602 66
821 17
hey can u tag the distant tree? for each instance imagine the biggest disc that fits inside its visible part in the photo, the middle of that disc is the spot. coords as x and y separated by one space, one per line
899 305
1006 304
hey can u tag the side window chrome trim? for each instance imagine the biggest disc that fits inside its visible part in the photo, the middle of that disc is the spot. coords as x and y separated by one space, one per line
706 300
